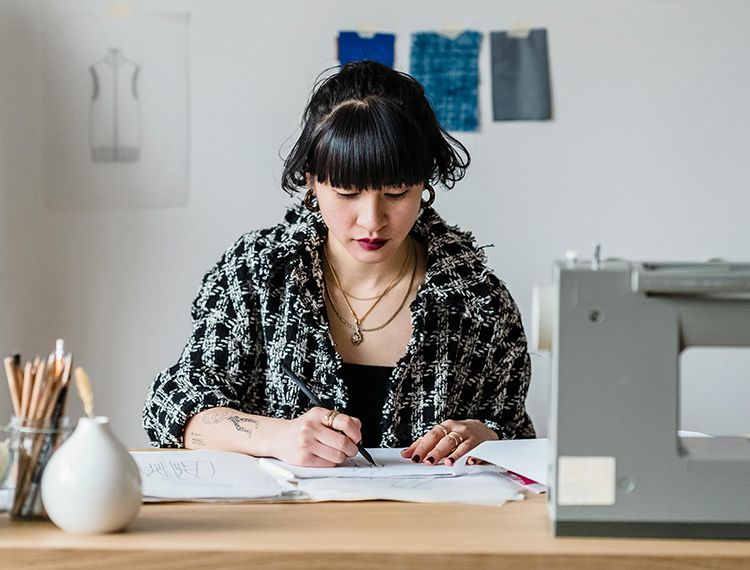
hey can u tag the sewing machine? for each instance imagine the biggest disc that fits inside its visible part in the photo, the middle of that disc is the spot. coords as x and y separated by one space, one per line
617 465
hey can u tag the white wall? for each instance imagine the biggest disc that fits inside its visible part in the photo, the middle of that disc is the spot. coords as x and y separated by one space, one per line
647 154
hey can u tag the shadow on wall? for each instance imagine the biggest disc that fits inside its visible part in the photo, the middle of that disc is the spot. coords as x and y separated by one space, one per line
27 305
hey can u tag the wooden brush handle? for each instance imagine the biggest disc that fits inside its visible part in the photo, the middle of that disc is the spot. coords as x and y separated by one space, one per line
84 391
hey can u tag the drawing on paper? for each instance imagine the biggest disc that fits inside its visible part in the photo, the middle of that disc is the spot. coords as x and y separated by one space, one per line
181 470
116 109
114 119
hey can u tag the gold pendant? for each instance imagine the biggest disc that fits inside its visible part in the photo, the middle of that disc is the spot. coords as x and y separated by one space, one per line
357 336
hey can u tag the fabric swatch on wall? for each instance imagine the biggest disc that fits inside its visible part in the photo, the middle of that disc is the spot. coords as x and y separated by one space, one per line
447 68
354 47
520 76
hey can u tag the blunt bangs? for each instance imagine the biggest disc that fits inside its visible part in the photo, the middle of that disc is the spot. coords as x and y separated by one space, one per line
369 144
371 127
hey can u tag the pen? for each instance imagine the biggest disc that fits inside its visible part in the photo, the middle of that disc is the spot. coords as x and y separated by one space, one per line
315 402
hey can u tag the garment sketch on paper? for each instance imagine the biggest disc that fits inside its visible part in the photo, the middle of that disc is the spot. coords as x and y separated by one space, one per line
178 469
115 124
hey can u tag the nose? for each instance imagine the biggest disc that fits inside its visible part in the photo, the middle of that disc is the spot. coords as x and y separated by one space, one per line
372 215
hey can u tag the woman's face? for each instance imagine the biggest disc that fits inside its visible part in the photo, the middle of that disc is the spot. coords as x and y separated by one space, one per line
369 225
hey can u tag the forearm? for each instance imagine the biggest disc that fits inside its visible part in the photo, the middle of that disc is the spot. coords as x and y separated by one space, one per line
230 430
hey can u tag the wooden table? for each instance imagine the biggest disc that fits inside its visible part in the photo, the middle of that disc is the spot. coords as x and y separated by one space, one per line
348 535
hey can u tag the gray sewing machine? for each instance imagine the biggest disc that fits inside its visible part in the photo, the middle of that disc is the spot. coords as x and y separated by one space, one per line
618 467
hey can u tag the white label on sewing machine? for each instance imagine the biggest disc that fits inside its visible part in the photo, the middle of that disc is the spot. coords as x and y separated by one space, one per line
586 480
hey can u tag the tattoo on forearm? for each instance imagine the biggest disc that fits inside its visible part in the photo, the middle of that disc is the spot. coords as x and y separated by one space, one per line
197 439
238 421
214 417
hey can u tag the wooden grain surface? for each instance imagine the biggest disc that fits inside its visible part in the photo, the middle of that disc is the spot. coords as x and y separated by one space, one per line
349 535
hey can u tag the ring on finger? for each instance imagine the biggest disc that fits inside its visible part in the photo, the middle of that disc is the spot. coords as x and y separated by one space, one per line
442 428
457 439
329 417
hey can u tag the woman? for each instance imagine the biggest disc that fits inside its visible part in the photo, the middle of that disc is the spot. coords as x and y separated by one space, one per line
389 315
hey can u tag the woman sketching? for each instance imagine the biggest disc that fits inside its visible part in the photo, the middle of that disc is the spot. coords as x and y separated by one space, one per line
390 315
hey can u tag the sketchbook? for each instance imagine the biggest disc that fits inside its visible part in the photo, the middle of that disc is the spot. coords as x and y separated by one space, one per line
205 475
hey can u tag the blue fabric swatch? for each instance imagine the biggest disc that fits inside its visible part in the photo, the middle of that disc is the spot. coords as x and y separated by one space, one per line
353 47
520 77
448 70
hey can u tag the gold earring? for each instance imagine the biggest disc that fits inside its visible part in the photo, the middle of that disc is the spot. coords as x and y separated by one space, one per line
309 204
427 203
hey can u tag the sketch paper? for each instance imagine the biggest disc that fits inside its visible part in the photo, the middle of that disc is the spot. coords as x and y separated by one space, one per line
204 474
389 464
483 488
115 109
527 457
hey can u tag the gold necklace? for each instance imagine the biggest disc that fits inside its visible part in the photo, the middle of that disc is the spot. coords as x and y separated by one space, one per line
395 281
357 337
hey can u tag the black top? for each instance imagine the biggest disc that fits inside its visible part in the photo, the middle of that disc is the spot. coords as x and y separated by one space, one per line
367 387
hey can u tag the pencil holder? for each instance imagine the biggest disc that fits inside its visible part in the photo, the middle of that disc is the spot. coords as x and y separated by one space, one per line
25 449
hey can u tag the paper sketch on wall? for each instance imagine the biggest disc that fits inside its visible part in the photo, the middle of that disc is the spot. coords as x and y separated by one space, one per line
114 121
116 110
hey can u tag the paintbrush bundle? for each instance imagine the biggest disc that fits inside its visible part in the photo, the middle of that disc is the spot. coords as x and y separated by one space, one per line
38 391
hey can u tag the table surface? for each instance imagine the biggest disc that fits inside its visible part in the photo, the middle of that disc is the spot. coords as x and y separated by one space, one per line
373 534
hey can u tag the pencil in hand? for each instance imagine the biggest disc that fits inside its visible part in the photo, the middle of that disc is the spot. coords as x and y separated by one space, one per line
315 402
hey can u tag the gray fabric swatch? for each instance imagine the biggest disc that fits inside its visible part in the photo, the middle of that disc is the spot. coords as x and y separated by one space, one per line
520 77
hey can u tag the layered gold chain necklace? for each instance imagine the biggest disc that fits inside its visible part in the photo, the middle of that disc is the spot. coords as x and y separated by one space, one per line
357 327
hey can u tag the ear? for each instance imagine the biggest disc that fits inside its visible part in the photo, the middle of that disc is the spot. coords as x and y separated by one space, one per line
310 181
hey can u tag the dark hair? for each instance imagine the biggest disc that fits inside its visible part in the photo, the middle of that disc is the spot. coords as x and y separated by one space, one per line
369 126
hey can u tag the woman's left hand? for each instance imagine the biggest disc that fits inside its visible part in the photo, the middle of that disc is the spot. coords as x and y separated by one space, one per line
448 441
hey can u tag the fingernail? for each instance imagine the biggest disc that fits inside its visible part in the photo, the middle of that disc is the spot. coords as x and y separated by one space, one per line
415 458
430 459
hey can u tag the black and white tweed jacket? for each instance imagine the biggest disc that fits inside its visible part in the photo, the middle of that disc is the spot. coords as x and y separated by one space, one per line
262 305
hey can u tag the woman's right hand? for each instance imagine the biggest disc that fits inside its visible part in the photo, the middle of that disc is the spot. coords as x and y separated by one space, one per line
307 441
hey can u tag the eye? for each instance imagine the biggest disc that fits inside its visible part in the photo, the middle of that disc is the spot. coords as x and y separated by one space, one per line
348 195
397 196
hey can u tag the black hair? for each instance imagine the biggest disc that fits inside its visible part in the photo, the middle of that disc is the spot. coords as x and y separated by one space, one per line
371 127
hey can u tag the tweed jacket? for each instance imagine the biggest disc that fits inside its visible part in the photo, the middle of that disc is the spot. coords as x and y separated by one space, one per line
263 305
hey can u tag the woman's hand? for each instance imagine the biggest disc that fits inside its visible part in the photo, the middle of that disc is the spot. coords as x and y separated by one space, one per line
309 442
448 441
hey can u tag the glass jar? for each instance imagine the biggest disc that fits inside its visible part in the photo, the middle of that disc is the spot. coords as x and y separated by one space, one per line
25 448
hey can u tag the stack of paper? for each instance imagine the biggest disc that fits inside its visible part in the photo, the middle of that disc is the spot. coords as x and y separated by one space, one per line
513 466
397 479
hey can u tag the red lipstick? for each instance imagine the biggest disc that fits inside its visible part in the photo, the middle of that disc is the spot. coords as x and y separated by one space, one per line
371 244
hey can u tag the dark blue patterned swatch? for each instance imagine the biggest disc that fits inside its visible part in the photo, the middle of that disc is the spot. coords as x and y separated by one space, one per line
520 77
353 47
448 70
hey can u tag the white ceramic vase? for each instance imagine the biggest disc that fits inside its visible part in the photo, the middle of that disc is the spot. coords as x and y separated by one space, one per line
92 484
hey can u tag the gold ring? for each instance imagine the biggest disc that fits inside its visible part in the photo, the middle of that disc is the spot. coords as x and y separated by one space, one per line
441 427
457 439
329 417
